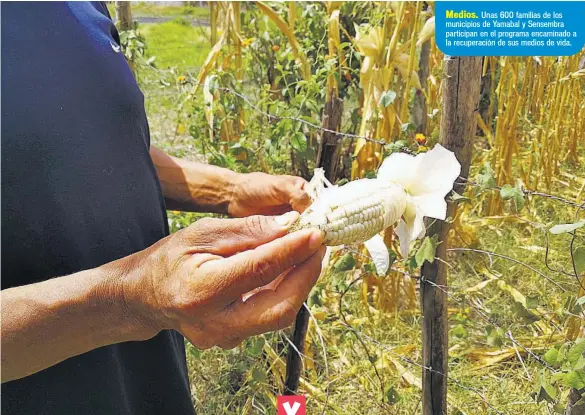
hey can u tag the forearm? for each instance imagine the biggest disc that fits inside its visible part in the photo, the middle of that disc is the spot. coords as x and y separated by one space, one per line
191 186
48 322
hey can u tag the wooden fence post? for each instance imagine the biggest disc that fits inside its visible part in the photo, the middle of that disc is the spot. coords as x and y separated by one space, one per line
328 159
461 85
123 15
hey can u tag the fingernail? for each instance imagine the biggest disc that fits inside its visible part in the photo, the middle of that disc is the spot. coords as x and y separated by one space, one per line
287 219
316 240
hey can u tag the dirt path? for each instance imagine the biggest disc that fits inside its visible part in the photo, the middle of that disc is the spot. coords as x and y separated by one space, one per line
163 19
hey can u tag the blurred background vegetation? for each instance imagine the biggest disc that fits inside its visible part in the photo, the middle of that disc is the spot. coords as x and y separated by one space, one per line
210 74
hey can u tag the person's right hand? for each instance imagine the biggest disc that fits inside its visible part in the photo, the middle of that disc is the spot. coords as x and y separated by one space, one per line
193 280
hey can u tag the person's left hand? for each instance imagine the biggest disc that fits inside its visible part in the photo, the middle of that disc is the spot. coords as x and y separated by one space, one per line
265 194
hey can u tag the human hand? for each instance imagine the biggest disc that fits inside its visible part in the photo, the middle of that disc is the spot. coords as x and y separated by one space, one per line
193 280
265 194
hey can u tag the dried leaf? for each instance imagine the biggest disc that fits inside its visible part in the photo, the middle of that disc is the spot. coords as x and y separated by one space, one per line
288 32
488 357
427 31
370 42
210 61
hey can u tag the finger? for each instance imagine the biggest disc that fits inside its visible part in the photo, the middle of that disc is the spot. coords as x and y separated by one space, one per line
228 236
275 310
275 210
243 272
294 194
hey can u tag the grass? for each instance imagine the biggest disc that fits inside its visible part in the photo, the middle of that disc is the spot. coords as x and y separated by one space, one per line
178 51
147 9
175 44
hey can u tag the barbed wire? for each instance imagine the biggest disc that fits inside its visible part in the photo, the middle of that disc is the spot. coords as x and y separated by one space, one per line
495 254
300 120
528 192
359 335
479 311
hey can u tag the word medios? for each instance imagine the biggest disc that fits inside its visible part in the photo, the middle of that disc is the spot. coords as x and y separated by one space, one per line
463 14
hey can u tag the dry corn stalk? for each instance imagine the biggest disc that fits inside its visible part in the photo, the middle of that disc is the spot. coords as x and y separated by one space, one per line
288 30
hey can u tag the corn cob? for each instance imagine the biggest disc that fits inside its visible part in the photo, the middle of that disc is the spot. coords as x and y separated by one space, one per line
406 190
358 220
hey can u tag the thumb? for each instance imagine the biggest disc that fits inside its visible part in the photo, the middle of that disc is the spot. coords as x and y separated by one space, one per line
255 268
293 192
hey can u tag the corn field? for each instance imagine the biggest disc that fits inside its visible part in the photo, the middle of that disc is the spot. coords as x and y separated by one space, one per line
497 290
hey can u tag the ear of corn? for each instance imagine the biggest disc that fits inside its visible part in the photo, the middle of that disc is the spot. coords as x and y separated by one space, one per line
406 190
359 219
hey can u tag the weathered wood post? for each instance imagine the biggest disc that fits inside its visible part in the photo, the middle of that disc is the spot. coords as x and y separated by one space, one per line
461 85
124 22
123 15
328 159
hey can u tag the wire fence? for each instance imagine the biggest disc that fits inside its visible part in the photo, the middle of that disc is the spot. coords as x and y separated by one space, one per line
365 339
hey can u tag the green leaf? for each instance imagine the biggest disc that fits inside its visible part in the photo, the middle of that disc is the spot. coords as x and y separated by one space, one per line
427 250
576 351
256 345
562 355
486 178
580 364
521 311
212 84
392 395
566 227
514 194
550 357
259 375
507 192
345 263
309 119
549 389
544 390
575 379
369 268
391 256
459 331
312 105
315 298
495 336
395 146
579 260
457 198
299 141
532 301
581 301
387 98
